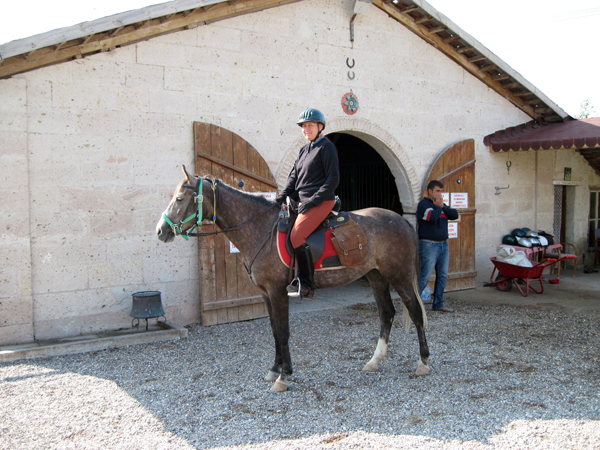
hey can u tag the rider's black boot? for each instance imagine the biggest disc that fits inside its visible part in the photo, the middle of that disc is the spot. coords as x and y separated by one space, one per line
306 274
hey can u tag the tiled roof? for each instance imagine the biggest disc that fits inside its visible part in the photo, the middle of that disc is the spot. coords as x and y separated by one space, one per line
569 134
582 135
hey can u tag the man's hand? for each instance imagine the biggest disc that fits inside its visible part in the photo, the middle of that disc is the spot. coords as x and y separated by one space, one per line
439 199
304 206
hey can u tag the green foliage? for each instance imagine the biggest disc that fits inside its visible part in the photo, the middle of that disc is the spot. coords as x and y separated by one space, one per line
586 110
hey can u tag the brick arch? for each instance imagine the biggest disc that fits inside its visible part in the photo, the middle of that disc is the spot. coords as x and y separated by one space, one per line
383 142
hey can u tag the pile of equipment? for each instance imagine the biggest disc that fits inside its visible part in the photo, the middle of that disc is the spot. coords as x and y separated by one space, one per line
525 237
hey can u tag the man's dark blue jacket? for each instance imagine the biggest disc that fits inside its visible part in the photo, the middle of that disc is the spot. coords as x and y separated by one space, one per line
432 220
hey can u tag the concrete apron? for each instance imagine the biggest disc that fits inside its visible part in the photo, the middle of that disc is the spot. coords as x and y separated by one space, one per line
580 294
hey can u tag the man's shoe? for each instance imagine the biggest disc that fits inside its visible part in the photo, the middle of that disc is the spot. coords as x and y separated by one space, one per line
444 309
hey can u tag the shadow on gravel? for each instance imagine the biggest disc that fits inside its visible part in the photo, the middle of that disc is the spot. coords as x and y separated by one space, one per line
501 376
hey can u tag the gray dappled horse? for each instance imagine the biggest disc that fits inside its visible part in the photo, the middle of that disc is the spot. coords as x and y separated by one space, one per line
248 219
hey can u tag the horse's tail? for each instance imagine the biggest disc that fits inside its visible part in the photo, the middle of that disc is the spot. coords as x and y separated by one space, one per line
405 316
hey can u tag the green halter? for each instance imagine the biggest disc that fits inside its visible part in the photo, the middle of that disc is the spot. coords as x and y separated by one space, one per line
198 198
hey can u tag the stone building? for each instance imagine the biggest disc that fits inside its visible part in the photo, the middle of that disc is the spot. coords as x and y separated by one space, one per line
96 120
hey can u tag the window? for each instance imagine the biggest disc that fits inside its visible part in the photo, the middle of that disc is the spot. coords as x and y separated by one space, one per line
594 216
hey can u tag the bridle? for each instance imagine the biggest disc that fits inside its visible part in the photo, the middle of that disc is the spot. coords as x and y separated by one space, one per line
198 199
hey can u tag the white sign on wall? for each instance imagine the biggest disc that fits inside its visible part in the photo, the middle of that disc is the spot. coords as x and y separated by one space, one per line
446 198
460 200
269 196
452 230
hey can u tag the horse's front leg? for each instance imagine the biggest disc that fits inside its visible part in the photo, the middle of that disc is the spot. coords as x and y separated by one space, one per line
280 308
275 371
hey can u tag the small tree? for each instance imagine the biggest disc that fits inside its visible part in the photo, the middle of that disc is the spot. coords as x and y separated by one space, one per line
586 110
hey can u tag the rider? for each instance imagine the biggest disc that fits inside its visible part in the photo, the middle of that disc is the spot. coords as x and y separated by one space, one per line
313 180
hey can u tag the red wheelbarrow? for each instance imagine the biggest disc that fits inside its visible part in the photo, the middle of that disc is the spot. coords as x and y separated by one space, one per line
509 272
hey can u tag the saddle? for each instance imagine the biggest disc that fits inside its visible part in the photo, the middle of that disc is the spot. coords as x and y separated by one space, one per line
337 242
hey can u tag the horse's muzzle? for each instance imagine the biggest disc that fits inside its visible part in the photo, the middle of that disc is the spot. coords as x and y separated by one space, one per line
164 231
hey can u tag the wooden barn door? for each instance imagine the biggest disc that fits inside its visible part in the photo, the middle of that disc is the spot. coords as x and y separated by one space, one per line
226 292
455 167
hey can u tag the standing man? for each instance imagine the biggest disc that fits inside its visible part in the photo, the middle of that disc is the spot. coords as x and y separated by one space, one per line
432 222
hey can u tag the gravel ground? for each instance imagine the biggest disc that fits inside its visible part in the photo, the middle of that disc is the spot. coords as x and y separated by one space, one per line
502 378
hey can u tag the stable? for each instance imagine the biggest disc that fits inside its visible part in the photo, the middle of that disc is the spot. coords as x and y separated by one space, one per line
96 120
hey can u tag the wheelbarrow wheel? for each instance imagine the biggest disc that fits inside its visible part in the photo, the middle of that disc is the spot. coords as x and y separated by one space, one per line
503 285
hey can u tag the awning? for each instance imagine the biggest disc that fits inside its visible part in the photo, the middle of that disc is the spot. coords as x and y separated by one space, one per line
582 135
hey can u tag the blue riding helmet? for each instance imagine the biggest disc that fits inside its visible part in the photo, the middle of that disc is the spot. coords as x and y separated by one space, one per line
311 115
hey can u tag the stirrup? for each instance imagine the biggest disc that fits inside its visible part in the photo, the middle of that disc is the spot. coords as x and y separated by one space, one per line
298 292
291 289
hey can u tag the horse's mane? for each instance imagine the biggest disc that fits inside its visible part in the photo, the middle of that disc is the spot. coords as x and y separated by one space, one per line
259 199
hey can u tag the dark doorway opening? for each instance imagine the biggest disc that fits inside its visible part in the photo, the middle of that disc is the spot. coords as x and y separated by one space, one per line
365 179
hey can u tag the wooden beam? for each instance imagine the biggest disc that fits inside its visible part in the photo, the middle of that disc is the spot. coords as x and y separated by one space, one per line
512 85
423 19
465 49
534 101
477 58
450 39
488 67
147 29
438 29
409 9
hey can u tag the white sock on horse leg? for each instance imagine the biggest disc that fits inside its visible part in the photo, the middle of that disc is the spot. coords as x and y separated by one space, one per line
378 357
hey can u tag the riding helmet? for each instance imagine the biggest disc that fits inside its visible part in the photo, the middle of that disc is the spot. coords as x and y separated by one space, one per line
526 230
532 234
509 239
524 242
534 241
518 232
543 241
311 115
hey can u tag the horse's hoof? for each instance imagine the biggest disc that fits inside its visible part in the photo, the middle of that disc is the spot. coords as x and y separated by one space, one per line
279 386
370 367
422 369
272 376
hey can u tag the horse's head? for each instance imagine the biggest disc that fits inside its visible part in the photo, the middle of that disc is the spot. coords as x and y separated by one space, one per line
184 212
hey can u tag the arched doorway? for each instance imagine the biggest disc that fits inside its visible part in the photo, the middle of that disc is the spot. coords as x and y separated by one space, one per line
365 178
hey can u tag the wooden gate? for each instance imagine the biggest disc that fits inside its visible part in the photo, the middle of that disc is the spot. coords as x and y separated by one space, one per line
455 167
226 292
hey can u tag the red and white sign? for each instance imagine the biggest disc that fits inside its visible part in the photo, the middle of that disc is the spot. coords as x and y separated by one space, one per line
452 230
446 198
460 200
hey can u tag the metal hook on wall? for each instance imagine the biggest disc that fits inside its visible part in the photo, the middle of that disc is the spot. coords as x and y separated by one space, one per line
498 189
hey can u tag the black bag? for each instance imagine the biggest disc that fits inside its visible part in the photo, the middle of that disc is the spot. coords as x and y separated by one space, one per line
548 236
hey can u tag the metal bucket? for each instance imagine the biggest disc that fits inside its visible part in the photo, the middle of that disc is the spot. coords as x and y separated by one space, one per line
146 305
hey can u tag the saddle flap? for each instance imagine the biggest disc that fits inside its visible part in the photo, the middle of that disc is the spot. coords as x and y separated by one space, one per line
351 244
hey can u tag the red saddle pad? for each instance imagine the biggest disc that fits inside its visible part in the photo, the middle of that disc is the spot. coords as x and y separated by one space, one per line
328 251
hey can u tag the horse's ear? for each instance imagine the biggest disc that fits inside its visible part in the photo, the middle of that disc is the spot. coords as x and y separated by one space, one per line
188 175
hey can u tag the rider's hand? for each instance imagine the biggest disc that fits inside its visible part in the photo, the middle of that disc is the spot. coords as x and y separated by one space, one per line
280 199
439 200
304 206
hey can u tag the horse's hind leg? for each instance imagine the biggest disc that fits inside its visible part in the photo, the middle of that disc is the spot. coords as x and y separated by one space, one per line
381 292
416 311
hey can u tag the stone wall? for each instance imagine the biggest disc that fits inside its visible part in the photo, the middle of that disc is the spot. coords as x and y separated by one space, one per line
96 145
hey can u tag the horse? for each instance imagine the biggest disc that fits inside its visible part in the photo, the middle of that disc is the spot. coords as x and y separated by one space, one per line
248 222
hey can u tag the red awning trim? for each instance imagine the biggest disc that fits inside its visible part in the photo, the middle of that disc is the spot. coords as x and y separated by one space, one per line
570 134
